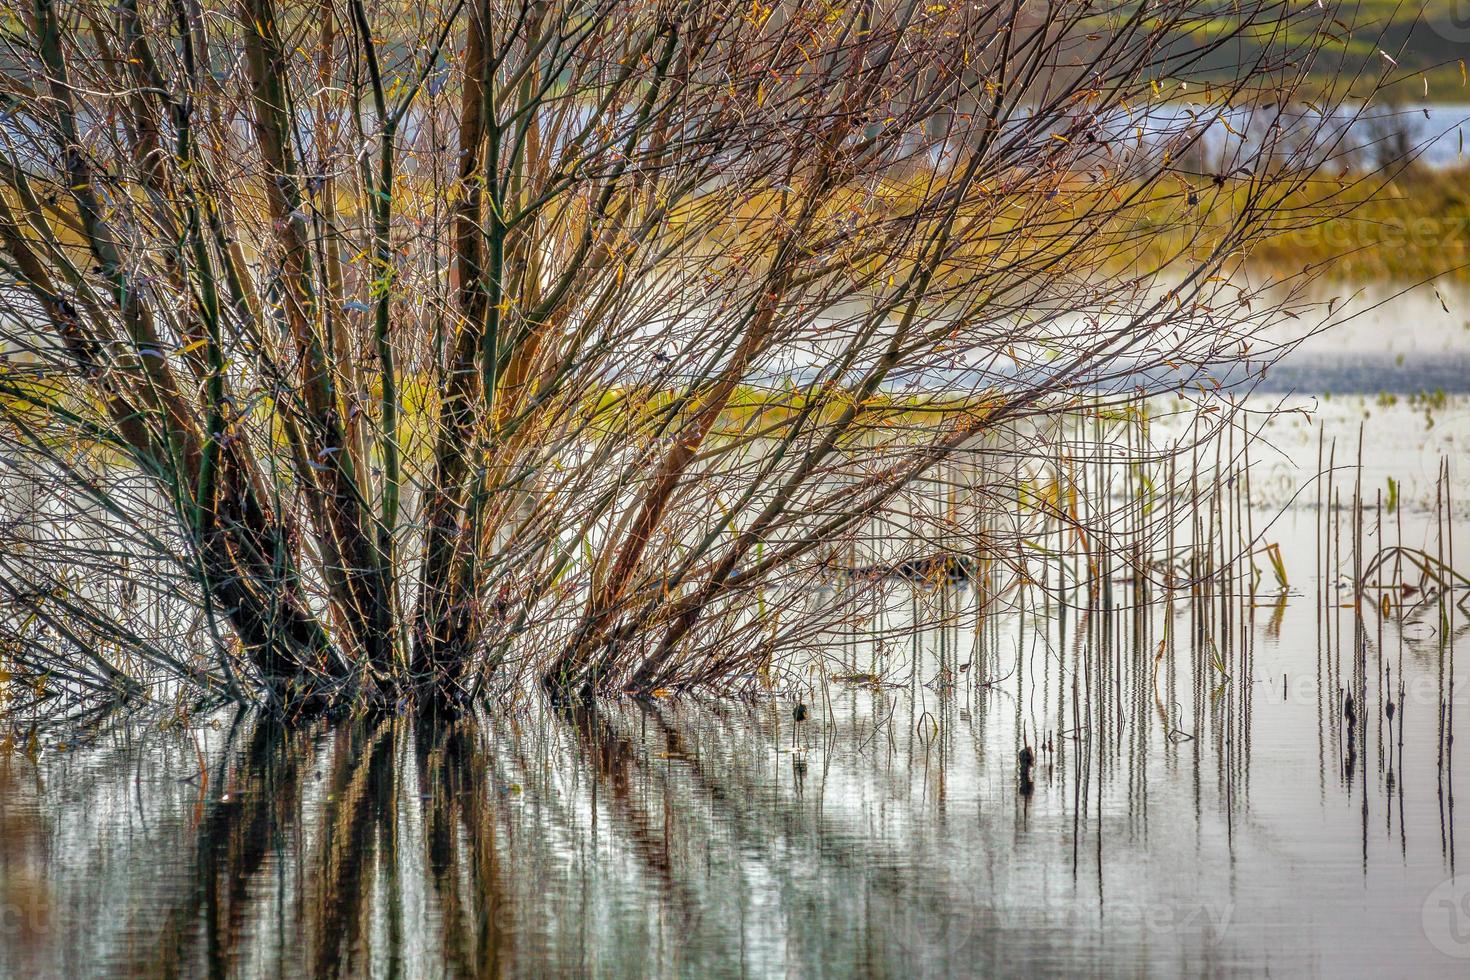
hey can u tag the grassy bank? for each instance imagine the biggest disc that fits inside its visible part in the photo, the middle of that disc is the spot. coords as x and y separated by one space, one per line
1417 49
1413 227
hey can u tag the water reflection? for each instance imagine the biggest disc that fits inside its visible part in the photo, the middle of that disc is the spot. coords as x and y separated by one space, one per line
1183 815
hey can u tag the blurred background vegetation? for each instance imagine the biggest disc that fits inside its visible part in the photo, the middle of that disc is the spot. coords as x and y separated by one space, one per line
1420 45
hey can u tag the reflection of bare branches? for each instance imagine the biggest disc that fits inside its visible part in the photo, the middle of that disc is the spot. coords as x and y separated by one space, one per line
341 838
618 765
262 786
314 846
726 790
458 804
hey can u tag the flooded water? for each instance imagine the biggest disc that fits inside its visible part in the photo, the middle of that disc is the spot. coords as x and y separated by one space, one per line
1252 780
1197 805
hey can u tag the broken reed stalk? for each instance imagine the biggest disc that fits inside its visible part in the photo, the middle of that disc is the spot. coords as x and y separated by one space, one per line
411 355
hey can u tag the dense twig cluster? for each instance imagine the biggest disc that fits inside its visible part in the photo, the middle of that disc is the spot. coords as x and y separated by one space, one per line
366 351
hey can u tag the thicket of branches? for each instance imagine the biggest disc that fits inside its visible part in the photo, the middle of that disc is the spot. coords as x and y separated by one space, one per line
370 351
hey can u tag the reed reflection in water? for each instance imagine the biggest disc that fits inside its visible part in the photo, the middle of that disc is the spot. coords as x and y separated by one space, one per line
1193 806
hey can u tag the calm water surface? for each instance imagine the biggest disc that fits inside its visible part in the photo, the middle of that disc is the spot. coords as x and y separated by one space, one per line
1191 812
1201 801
